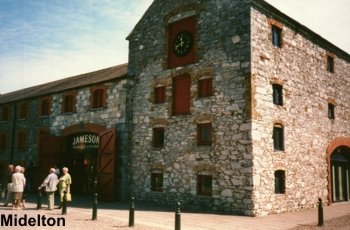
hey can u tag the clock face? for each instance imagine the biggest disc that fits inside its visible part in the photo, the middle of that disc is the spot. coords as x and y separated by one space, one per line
182 43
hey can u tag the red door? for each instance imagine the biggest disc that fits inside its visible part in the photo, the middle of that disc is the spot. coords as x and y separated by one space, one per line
106 164
50 154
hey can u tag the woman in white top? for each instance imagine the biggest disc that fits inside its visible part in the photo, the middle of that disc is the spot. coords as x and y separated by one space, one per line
18 183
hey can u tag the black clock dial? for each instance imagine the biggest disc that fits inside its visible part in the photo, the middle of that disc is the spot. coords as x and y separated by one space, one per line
182 43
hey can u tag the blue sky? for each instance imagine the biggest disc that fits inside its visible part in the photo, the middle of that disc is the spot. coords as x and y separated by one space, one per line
45 40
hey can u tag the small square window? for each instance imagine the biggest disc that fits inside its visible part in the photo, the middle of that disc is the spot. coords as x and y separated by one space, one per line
205 87
45 107
277 36
278 138
68 104
204 185
23 111
98 99
3 143
158 137
277 94
204 134
331 113
157 182
22 141
280 182
5 113
159 95
330 64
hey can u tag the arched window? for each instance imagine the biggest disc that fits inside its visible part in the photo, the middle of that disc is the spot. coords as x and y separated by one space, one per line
277 94
280 182
45 107
98 98
278 137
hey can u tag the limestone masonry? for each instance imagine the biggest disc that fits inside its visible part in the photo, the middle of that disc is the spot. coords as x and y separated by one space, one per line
251 116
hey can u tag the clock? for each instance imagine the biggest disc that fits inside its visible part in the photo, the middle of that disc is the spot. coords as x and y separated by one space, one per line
182 43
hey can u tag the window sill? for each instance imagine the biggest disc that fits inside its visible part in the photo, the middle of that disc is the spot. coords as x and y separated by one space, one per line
97 109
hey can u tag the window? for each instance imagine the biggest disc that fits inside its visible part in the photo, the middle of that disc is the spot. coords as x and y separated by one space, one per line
277 94
45 107
159 94
181 95
204 185
158 137
278 137
276 36
331 114
3 143
23 111
280 182
5 113
69 103
157 182
204 134
22 141
205 87
98 98
330 64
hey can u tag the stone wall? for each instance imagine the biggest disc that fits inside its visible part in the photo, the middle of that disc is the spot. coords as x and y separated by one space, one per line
224 55
301 67
114 113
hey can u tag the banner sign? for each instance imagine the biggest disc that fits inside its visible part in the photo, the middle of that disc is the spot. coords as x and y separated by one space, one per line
85 141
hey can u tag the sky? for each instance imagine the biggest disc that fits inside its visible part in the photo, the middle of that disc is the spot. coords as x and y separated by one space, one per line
46 40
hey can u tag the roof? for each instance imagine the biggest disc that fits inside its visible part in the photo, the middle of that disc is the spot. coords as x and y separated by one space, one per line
111 73
273 12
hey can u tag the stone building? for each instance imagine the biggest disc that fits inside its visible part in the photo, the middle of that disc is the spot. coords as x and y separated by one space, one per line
59 123
225 105
237 108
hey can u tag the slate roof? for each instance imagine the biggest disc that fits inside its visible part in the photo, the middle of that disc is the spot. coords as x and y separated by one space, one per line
111 73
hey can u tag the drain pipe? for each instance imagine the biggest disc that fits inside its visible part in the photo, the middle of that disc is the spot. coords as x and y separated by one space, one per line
13 132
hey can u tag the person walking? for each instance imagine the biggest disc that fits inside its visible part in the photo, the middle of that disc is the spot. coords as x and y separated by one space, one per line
18 183
25 189
9 184
64 185
50 185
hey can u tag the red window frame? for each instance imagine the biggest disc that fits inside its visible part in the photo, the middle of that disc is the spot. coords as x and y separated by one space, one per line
205 87
23 111
45 106
159 94
181 95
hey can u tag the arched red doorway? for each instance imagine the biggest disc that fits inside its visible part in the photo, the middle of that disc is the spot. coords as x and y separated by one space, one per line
53 149
80 151
338 161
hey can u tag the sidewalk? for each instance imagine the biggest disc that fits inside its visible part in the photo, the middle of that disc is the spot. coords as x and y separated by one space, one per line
151 217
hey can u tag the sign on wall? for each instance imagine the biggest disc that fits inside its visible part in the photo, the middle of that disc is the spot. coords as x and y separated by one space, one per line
85 141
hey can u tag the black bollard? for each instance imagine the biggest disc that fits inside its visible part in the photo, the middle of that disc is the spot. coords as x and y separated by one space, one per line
320 213
132 212
177 217
94 208
38 204
64 203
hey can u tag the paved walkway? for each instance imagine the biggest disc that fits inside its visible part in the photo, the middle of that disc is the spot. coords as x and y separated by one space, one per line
150 217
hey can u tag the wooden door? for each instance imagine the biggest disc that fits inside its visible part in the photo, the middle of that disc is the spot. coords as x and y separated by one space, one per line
106 164
50 154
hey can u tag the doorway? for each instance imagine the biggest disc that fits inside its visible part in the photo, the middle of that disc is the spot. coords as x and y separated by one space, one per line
81 159
340 174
